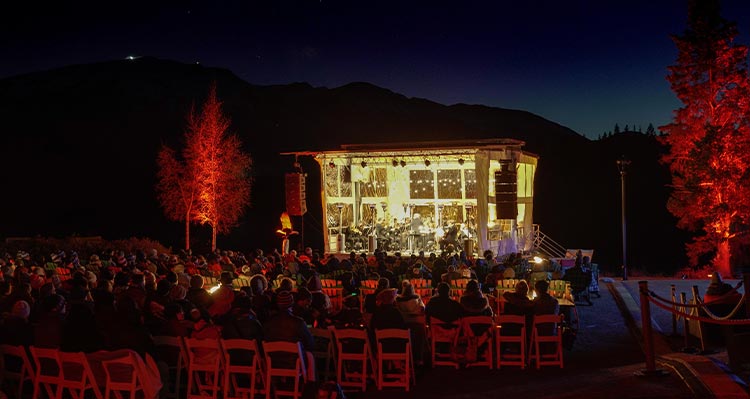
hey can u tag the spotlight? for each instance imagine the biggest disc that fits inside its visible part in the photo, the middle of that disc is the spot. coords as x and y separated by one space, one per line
426 162
331 164
364 164
460 161
394 163
403 163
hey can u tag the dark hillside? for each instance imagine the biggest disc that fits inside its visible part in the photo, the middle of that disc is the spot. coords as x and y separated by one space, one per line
79 145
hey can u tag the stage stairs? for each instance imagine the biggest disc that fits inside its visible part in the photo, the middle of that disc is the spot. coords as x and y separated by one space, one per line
543 244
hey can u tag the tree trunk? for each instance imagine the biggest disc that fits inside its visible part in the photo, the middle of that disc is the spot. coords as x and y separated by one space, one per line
213 238
721 261
187 232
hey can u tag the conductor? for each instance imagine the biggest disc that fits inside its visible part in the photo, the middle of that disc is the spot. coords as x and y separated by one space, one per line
414 231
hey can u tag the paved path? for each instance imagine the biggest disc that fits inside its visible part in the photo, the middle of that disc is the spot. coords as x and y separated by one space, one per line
603 362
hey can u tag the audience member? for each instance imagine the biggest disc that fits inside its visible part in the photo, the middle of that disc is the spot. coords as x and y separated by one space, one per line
15 328
442 306
473 302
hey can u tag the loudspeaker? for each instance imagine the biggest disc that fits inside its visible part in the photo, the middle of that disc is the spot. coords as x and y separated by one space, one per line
506 192
295 194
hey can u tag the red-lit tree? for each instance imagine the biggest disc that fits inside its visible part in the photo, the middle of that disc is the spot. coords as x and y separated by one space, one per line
176 189
221 170
709 136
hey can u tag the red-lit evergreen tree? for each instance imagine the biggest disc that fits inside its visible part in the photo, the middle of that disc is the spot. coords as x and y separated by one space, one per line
709 136
176 189
220 168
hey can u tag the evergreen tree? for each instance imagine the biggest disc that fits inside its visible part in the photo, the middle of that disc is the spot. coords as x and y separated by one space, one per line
650 130
617 128
627 129
709 136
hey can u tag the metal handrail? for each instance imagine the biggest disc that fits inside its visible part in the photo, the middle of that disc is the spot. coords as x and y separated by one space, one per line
547 245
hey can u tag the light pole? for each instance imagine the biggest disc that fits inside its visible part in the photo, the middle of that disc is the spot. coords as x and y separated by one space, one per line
622 165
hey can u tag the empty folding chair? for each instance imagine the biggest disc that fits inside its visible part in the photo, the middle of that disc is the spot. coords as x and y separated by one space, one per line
48 371
78 377
242 360
442 335
395 366
510 340
204 360
15 368
171 351
546 341
354 361
122 376
481 329
284 360
324 351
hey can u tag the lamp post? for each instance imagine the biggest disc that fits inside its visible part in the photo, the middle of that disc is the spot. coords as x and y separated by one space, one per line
622 165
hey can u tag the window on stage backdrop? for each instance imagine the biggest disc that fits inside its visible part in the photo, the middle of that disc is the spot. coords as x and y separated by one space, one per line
470 183
452 214
338 181
345 216
449 184
421 184
377 184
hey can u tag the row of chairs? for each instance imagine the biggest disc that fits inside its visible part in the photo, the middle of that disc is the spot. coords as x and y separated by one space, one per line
505 335
213 364
388 364
232 368
57 372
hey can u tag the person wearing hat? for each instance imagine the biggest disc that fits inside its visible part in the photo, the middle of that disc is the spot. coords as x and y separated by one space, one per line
386 315
285 326
720 300
350 315
197 295
242 322
223 296
303 306
720 292
16 329
321 304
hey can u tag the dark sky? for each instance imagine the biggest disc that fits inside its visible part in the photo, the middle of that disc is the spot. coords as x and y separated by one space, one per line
584 64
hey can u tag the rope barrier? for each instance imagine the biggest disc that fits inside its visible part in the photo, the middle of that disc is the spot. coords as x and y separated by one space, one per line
677 304
731 314
700 318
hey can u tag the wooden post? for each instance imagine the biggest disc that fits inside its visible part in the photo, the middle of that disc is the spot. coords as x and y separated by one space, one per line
685 321
674 307
701 337
648 339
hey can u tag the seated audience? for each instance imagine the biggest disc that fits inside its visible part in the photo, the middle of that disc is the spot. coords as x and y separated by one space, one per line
15 328
473 302
442 306
243 323
284 326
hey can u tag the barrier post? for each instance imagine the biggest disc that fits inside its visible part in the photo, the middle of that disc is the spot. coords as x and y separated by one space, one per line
648 339
674 315
648 335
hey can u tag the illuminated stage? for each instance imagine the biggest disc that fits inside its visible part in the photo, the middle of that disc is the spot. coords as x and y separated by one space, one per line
429 196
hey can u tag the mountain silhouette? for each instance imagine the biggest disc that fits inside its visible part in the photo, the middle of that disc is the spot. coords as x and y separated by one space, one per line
80 142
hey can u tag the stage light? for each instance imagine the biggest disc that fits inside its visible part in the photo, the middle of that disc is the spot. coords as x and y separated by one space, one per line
427 162
403 163
331 164
460 161
364 164
394 163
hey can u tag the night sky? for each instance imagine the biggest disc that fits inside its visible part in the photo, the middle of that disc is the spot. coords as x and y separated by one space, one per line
584 64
